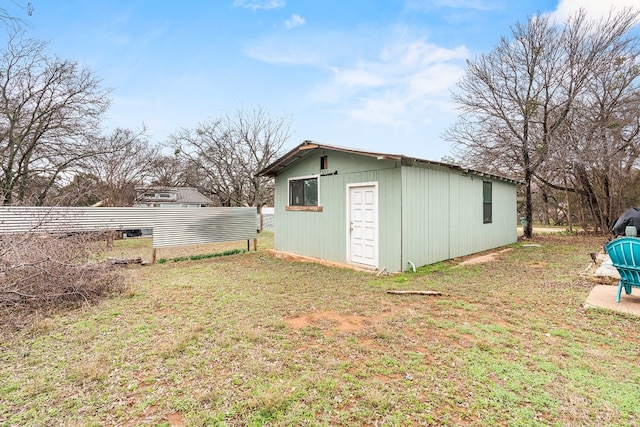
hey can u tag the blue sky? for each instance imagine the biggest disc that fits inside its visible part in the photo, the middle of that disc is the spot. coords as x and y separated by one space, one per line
368 74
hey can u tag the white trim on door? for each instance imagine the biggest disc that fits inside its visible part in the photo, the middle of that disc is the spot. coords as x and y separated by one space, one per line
362 223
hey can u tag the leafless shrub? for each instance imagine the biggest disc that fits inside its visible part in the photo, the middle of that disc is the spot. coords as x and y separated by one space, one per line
43 272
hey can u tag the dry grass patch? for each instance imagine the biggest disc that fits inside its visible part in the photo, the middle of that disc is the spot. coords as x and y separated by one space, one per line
253 340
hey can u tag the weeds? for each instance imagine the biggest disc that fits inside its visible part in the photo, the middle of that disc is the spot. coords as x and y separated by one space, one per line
202 256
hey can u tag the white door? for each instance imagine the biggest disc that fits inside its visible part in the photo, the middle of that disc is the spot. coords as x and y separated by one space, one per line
362 223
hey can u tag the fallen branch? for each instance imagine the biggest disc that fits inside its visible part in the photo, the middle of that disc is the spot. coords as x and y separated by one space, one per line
414 292
125 261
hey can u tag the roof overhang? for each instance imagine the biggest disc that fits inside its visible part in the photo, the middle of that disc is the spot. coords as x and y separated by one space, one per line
308 147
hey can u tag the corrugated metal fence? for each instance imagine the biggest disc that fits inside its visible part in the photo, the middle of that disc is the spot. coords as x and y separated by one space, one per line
171 226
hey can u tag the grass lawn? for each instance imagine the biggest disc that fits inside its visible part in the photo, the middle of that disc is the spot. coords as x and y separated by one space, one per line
248 339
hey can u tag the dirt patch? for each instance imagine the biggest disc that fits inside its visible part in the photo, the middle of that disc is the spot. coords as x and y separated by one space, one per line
176 419
538 264
301 258
329 320
298 322
484 258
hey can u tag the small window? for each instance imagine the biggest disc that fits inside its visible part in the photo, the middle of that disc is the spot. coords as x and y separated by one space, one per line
303 192
324 162
486 202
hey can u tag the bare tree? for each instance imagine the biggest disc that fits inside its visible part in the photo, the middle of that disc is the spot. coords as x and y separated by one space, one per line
174 171
229 151
49 108
119 163
13 21
600 146
517 99
81 190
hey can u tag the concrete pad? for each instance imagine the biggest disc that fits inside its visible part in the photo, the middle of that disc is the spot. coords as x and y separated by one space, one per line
604 296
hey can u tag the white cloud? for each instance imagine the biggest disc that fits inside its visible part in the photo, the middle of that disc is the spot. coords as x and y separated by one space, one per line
594 8
259 4
357 77
401 87
295 21
373 76
288 54
327 48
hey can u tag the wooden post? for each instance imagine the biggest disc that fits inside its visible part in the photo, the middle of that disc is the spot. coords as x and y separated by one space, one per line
248 243
255 245
153 256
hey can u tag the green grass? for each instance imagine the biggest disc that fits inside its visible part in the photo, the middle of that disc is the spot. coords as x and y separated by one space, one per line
248 339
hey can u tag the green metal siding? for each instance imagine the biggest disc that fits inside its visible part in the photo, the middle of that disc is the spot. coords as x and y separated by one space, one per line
468 234
442 215
426 217
464 208
426 214
324 234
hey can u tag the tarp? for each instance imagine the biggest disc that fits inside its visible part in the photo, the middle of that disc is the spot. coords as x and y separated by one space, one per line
631 217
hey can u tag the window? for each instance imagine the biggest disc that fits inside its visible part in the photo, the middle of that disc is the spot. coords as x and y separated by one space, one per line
171 196
303 191
324 162
486 202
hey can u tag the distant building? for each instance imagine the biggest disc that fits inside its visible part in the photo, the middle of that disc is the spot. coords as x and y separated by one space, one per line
183 197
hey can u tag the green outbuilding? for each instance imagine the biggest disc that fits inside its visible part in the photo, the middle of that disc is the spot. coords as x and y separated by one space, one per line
385 211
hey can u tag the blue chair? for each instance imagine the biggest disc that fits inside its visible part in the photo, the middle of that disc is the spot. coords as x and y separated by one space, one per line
625 256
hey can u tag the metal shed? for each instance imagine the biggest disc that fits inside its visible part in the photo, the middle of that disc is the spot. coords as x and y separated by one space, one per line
386 211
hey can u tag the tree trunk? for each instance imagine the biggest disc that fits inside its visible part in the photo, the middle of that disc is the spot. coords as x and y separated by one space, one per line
528 206
545 207
566 193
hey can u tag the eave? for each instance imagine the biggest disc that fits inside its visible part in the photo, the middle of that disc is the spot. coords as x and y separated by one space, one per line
308 147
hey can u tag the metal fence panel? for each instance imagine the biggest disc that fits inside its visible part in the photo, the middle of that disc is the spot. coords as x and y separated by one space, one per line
176 227
171 226
21 219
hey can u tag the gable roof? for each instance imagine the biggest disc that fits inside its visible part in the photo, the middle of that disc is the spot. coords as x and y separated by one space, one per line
307 147
188 195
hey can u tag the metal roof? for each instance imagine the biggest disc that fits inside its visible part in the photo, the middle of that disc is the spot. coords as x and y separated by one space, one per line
187 195
307 147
